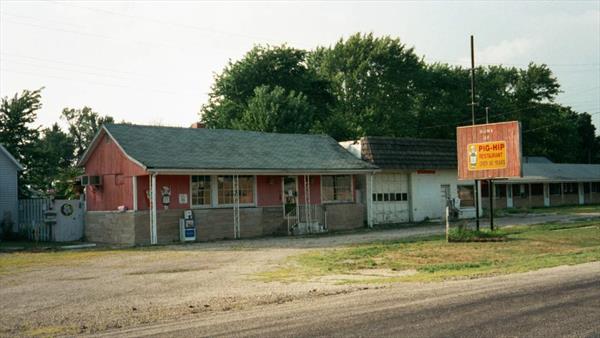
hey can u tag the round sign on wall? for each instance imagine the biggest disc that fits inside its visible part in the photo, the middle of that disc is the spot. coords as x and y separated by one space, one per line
66 209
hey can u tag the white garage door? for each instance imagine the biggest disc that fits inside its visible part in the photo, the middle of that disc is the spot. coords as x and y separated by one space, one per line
390 198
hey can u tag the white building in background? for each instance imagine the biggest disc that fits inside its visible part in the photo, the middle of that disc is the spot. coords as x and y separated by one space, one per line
418 179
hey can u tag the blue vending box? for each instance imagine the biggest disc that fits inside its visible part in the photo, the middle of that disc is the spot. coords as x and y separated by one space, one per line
187 227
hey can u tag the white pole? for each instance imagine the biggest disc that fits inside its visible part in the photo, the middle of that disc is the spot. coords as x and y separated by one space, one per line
369 198
153 234
135 196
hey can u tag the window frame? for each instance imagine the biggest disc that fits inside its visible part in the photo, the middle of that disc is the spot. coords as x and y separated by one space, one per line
472 186
191 199
214 194
351 200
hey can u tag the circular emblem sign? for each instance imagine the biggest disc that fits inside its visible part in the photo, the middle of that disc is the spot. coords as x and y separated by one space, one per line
66 209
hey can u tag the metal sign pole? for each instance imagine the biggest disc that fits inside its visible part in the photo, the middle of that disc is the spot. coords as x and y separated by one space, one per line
473 120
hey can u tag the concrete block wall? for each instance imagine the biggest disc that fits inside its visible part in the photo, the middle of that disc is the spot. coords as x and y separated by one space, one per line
110 227
345 216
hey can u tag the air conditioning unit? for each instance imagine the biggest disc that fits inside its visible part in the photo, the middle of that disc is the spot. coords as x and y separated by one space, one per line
91 180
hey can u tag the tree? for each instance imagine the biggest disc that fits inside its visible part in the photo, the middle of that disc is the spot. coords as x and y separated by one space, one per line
83 126
374 83
276 110
280 66
55 153
16 133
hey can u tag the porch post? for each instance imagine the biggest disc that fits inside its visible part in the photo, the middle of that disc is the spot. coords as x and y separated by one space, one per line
153 234
369 198
134 192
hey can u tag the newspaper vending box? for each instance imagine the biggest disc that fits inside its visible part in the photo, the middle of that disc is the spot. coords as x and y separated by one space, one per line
187 227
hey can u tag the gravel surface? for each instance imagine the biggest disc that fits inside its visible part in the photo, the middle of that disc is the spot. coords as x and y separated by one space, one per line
134 287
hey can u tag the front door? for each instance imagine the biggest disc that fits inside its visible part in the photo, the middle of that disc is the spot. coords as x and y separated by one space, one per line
290 196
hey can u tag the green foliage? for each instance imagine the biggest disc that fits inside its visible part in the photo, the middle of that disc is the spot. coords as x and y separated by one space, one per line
367 85
374 83
17 135
275 110
83 125
462 234
274 67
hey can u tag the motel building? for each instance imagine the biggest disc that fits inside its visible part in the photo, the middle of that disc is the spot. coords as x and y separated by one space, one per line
142 184
546 184
419 178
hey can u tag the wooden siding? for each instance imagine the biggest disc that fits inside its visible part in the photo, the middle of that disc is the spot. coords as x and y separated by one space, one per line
269 190
510 132
108 161
8 190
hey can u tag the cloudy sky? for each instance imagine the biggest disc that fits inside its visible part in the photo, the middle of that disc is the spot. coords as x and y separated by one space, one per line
154 61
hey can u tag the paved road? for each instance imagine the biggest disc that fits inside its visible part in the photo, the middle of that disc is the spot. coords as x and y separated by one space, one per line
557 302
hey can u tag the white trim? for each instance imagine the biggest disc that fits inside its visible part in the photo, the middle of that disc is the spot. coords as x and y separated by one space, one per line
261 172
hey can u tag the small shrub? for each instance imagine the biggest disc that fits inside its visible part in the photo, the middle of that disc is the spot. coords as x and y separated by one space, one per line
462 234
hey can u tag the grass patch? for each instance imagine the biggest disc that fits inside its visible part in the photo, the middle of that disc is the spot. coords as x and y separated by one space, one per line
526 248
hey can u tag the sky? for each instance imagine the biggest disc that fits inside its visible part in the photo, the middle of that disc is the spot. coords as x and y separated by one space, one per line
153 62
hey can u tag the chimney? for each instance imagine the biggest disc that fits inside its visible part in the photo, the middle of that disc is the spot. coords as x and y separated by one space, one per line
197 125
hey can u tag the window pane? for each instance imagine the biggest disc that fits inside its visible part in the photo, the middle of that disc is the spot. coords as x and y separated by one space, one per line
225 189
200 190
339 188
466 194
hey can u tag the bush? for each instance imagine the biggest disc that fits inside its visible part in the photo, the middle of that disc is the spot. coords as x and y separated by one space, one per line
467 235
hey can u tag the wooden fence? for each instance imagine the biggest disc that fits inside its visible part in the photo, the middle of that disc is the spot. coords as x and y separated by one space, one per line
31 219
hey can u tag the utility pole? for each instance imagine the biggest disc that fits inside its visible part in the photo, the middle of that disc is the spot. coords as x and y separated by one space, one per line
473 120
487 113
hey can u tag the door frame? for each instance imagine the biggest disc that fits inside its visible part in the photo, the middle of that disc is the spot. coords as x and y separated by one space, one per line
283 194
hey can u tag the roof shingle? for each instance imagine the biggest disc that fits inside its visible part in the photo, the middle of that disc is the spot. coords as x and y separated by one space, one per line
191 148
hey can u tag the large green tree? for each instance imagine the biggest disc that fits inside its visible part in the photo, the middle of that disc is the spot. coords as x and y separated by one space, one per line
277 110
83 123
17 133
374 82
55 152
276 67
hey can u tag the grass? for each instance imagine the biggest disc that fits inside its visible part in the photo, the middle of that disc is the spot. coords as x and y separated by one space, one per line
432 259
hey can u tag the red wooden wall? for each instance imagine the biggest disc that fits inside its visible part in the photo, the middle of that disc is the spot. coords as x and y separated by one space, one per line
108 161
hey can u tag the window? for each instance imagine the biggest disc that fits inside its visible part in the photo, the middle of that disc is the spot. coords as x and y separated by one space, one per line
596 187
537 189
466 195
200 190
225 189
390 197
571 188
520 190
500 190
555 188
338 188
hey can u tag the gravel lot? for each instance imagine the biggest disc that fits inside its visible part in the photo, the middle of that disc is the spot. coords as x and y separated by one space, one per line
123 288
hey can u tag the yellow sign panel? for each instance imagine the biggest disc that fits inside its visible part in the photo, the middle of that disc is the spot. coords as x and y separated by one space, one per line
487 155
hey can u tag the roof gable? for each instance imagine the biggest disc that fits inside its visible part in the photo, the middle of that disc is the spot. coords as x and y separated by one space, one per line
10 157
171 148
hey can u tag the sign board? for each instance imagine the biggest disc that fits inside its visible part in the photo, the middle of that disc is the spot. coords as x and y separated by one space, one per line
489 151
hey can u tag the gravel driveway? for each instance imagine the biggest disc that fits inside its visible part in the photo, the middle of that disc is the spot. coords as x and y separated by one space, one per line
122 288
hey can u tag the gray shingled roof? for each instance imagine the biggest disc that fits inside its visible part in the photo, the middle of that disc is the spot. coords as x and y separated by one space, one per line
559 172
208 149
409 153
